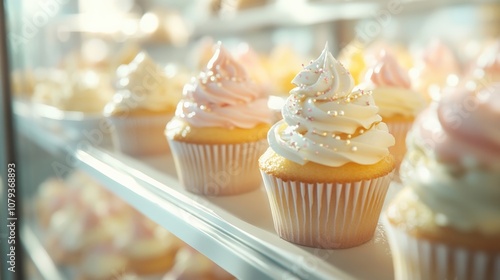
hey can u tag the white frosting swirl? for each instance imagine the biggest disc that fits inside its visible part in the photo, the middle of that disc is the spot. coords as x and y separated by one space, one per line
325 122
142 84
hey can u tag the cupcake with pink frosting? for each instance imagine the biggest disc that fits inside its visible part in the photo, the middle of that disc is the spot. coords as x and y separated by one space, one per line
434 66
399 104
486 68
219 129
445 223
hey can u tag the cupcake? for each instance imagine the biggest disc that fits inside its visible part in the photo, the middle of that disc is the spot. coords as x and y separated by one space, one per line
219 129
445 223
328 166
140 108
352 57
486 68
149 248
393 94
432 69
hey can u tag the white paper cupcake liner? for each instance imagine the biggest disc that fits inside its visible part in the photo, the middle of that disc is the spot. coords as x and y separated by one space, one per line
326 215
217 170
399 131
140 136
420 259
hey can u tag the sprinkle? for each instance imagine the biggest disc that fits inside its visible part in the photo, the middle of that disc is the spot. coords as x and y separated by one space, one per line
349 136
337 137
332 113
361 131
341 113
354 149
348 142
212 78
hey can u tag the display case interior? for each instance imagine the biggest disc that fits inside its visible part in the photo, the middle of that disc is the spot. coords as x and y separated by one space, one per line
69 58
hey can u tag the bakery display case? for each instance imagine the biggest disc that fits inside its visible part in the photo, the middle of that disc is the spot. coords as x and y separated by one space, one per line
88 186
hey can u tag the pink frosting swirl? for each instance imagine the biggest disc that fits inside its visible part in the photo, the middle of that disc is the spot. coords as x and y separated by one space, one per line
466 129
388 72
488 63
224 96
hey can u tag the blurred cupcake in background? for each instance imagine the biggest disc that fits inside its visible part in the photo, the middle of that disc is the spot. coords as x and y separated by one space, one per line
219 129
433 68
148 247
399 104
144 101
352 56
445 223
485 69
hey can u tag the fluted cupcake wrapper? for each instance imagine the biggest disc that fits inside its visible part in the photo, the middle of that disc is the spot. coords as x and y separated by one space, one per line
219 169
326 215
420 259
399 131
140 135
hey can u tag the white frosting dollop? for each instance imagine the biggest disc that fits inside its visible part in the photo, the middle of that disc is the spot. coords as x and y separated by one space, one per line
325 122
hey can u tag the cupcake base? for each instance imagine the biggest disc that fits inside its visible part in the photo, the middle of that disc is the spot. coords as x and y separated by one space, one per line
326 215
419 258
218 169
140 135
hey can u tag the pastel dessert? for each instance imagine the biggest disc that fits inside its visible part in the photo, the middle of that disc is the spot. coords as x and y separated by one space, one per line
432 69
399 104
352 56
85 91
140 107
219 129
486 68
149 248
445 223
328 166
283 63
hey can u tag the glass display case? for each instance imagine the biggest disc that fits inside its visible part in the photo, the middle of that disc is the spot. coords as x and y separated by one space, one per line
60 62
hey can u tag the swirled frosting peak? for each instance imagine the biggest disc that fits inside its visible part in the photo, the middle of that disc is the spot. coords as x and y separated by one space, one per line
325 122
388 73
223 96
324 78
141 84
391 88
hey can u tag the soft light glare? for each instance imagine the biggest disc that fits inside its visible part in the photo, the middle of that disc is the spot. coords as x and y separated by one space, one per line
149 22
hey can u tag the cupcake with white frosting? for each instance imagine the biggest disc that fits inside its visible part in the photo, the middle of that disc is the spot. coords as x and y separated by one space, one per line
141 106
328 166
445 223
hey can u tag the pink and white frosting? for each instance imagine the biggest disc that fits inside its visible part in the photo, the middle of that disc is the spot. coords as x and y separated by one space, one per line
325 122
432 69
453 160
391 87
223 96
487 65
